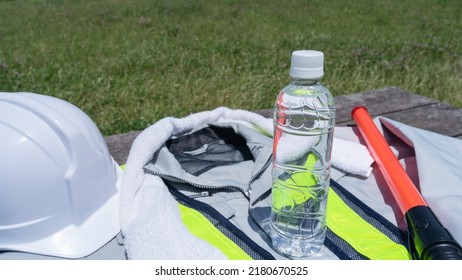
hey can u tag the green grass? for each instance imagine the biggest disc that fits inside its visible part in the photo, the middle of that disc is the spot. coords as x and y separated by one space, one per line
128 63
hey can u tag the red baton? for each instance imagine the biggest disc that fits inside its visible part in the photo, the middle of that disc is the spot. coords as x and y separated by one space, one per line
428 239
401 186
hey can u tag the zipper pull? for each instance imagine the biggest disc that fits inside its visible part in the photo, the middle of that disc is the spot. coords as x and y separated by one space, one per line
201 194
248 192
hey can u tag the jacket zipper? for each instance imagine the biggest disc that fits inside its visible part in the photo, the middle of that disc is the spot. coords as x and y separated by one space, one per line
257 175
246 192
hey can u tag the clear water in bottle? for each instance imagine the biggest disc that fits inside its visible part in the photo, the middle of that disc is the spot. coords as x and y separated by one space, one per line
304 119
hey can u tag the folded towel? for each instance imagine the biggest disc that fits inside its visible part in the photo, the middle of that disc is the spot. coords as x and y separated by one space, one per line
351 157
292 147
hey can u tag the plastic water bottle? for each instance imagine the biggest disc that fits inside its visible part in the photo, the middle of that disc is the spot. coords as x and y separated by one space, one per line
304 120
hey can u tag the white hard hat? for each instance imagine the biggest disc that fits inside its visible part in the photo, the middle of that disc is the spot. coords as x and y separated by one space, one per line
58 183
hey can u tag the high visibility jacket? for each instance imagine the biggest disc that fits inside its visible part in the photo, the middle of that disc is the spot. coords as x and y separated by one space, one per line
219 173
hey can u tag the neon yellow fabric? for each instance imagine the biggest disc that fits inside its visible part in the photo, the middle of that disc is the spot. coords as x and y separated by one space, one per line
202 228
361 235
293 191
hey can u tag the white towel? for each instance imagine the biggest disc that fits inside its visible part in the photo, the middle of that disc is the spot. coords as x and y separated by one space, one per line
150 218
292 147
351 157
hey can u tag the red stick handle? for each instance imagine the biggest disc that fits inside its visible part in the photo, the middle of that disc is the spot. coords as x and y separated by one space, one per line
401 186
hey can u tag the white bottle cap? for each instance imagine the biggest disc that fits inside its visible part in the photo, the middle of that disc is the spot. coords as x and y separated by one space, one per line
307 64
